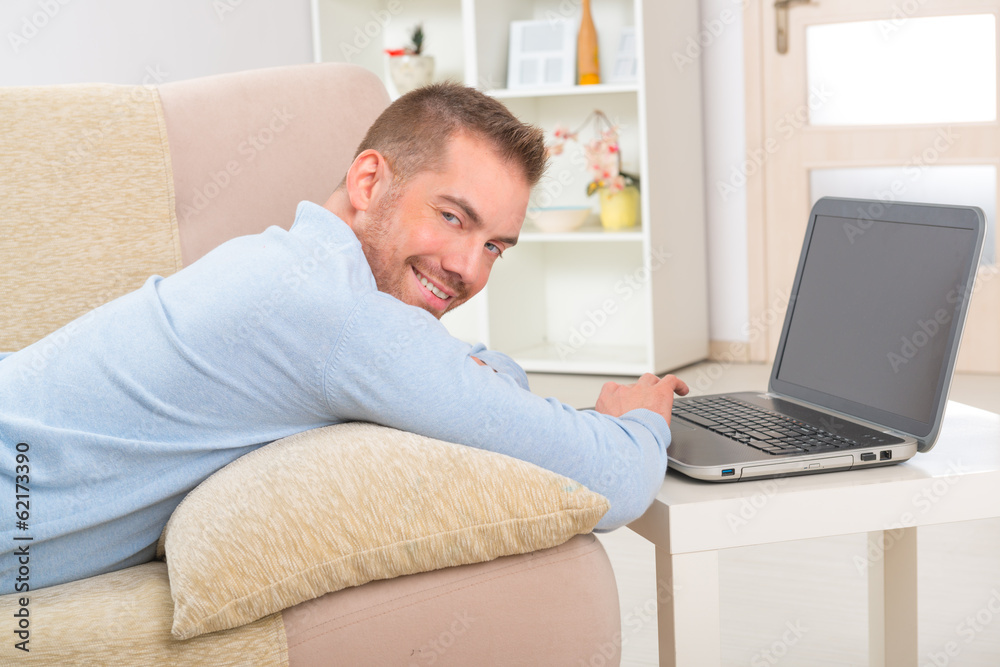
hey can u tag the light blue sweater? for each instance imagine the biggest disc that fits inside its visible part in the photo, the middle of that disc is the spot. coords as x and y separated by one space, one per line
128 408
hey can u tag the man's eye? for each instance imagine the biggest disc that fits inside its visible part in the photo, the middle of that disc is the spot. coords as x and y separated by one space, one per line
495 249
449 217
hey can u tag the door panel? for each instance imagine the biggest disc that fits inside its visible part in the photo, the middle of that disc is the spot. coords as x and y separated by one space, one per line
880 100
879 74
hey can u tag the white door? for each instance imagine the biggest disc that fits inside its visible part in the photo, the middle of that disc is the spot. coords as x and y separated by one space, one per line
878 99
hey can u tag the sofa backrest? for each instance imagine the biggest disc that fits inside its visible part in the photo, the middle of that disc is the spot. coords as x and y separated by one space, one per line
102 186
246 148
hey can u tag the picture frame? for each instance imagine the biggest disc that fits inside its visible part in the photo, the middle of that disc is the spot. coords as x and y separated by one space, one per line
625 69
542 54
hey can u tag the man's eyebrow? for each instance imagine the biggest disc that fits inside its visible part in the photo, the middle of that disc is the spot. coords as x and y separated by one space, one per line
473 216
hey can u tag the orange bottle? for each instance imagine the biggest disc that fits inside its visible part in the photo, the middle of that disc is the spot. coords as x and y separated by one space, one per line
587 64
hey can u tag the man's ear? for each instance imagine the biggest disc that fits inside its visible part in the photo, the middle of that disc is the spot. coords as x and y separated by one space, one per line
368 177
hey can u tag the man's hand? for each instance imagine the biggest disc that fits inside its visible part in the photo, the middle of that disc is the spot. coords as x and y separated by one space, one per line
649 392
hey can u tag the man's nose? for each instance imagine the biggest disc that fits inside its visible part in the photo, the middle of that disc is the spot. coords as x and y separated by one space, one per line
463 260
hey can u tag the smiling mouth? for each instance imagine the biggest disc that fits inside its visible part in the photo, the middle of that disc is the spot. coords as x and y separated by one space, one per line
431 287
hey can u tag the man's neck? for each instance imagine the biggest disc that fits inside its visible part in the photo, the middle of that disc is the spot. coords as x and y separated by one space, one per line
340 205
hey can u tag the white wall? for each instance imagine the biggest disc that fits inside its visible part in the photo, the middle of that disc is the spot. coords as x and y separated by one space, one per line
154 41
720 47
147 41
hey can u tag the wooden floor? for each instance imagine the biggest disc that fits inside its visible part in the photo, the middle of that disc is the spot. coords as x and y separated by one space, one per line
805 603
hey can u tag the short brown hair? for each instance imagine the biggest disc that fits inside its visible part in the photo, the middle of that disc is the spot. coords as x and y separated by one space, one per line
412 134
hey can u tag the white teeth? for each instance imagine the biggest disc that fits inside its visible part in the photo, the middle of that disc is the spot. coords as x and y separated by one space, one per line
434 290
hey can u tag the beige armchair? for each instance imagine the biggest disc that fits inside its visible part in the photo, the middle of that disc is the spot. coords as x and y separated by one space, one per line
102 186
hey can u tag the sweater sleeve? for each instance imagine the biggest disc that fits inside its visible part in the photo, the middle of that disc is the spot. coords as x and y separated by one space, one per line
500 363
396 365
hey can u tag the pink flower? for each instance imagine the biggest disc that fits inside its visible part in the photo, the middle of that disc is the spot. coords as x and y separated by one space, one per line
602 153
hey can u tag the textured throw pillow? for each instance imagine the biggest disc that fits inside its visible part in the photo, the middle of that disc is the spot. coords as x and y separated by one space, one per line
348 504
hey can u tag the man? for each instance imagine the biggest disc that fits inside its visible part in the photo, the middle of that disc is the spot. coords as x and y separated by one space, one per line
284 331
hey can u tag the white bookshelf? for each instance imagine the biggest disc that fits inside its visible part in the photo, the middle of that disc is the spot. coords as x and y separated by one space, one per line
598 89
588 301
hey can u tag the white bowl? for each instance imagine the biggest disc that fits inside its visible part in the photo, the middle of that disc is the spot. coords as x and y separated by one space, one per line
559 218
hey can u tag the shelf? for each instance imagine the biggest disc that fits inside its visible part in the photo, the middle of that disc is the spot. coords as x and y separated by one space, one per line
596 89
588 233
610 293
588 359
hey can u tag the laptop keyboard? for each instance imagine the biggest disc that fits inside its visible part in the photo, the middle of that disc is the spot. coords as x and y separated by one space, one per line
765 430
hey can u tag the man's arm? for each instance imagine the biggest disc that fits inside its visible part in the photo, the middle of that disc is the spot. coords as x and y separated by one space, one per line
649 392
398 366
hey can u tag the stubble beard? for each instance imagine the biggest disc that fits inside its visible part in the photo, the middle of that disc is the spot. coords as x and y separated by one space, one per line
377 241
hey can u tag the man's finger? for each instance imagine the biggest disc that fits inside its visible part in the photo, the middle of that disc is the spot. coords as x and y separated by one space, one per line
677 385
647 379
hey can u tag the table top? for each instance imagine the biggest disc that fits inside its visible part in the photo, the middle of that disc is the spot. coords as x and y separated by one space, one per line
957 480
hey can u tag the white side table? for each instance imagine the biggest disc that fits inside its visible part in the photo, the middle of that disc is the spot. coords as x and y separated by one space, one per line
690 521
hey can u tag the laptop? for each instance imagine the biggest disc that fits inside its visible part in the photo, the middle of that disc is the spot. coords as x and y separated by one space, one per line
867 349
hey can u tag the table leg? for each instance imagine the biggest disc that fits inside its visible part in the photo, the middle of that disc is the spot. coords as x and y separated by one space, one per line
687 594
892 597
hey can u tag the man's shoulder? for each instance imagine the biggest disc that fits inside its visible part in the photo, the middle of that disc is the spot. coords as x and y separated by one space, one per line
318 251
317 266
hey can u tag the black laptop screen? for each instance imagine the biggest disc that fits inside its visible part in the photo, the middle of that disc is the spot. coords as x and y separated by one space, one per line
872 317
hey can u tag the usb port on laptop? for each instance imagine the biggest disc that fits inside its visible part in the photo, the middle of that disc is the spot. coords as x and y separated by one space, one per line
728 472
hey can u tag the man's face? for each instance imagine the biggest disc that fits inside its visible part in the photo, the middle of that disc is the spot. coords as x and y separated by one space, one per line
433 242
